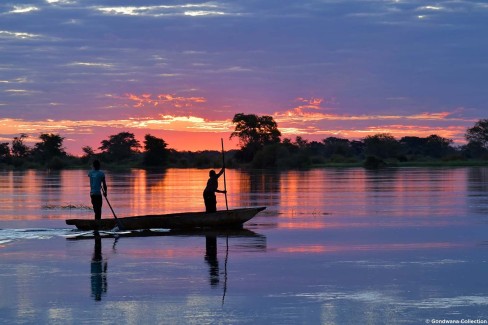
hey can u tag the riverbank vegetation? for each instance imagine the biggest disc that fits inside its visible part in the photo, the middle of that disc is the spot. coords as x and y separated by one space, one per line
261 146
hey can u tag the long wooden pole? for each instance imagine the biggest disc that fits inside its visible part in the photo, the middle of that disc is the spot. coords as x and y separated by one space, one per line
223 165
119 223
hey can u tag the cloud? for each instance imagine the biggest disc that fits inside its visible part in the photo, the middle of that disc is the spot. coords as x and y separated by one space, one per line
91 64
181 123
430 8
164 100
21 92
22 9
311 121
193 10
11 126
19 80
298 114
61 2
195 13
417 13
18 35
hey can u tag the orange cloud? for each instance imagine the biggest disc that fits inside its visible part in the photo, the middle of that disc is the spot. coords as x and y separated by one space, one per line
430 116
310 121
168 122
312 101
299 114
308 105
144 100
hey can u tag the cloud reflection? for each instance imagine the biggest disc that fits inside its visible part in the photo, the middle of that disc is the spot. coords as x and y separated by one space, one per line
319 248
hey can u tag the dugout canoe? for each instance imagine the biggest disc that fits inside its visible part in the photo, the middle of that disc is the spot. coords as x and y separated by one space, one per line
234 218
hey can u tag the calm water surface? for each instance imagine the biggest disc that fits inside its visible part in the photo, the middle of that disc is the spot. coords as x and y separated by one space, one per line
334 246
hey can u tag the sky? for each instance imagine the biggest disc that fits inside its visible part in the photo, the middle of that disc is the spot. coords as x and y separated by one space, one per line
181 70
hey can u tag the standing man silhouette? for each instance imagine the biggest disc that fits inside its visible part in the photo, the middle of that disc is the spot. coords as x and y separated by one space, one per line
210 190
97 181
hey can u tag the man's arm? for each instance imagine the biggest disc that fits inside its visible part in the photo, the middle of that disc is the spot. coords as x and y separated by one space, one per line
221 172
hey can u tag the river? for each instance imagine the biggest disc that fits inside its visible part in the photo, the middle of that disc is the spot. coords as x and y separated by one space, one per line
334 246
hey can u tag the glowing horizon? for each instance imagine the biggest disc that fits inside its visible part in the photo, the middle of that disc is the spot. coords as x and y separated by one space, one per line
170 128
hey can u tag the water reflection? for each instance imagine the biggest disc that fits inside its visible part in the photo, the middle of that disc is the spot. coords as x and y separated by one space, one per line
477 188
98 270
242 240
252 242
314 199
256 185
415 192
211 259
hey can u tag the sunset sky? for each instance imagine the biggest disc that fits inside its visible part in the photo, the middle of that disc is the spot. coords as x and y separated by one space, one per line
180 70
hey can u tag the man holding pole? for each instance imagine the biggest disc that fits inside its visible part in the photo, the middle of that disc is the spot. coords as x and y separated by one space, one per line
97 181
210 190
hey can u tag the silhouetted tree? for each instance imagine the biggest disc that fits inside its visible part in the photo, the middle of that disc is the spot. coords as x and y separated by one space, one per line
289 145
88 153
474 150
254 132
301 142
272 156
51 146
478 134
4 152
120 146
413 146
19 149
155 152
357 148
337 146
314 151
433 146
437 146
381 145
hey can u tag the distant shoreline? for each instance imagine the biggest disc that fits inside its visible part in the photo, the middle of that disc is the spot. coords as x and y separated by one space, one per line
467 163
388 164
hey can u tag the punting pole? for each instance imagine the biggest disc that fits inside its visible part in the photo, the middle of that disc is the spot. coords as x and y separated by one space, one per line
119 223
223 164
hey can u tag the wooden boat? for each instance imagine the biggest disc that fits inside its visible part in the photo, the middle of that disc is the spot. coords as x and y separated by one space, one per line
234 218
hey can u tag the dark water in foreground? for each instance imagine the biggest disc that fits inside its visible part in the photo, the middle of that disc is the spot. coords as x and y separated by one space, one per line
345 246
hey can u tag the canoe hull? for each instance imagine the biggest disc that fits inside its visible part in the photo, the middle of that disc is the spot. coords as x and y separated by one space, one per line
188 220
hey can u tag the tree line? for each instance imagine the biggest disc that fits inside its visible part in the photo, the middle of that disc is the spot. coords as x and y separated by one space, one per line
122 149
261 146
